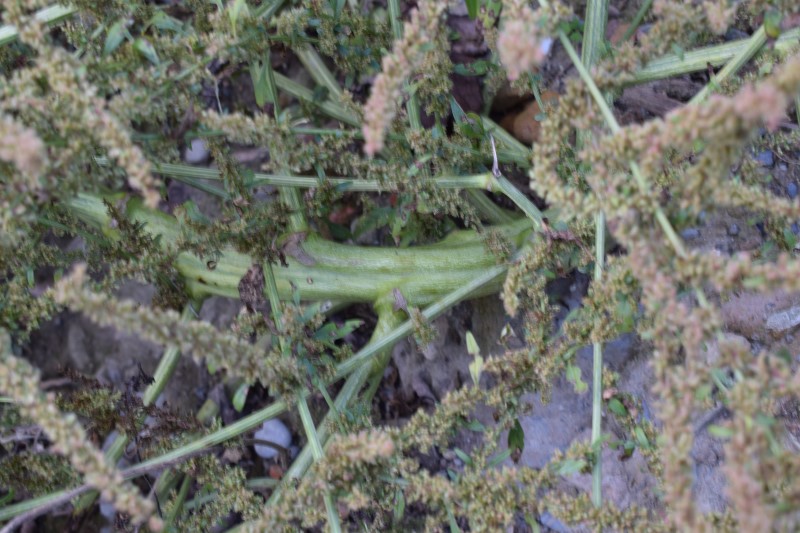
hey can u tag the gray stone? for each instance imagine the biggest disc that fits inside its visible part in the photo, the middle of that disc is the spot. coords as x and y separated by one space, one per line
196 153
765 158
784 320
690 233
733 230
791 190
273 431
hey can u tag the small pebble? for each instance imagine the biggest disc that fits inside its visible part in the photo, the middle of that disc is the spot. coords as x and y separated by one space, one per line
784 320
196 153
795 228
791 190
701 217
107 510
733 230
272 431
690 233
765 158
735 35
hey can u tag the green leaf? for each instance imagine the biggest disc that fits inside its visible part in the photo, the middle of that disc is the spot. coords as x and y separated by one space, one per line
240 396
499 458
399 506
641 438
789 238
164 22
702 392
472 8
476 68
472 344
466 459
458 113
574 377
116 34
330 332
476 426
570 466
616 407
476 366
516 437
238 9
336 6
772 23
144 47
721 432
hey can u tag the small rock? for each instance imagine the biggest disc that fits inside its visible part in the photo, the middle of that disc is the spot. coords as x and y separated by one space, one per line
711 355
791 190
196 153
783 166
690 233
553 523
107 510
765 158
795 228
733 230
272 431
784 320
735 35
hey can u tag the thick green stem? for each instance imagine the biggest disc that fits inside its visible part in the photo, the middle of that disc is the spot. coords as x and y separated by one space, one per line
327 270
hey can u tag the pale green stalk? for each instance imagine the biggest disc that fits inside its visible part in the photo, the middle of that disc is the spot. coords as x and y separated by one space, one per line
318 70
51 15
614 126
316 450
745 54
637 19
177 505
593 38
698 60
330 107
